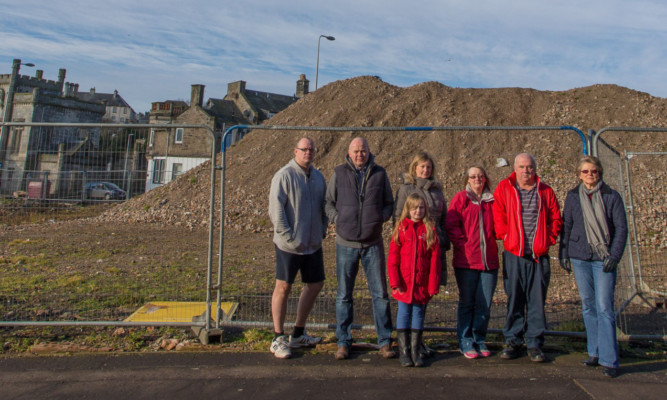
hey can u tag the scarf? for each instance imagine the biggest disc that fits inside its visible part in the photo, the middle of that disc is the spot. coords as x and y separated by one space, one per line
486 196
595 223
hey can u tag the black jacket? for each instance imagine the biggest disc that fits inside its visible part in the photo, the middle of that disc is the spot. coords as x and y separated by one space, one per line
573 240
359 212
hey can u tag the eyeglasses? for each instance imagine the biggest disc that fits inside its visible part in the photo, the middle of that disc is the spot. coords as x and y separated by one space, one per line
592 171
307 150
477 177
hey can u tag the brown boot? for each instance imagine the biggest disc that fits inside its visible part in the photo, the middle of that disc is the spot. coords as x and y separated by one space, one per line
387 352
343 353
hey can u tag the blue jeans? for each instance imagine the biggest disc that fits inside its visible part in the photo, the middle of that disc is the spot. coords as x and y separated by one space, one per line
596 289
347 266
526 283
410 316
475 295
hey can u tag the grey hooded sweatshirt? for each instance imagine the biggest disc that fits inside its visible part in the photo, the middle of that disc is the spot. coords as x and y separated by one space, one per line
296 209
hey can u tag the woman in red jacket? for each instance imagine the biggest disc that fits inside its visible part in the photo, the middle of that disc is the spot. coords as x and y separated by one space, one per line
475 260
414 268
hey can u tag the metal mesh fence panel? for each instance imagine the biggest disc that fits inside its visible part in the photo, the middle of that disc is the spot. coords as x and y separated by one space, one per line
52 169
614 176
640 289
646 173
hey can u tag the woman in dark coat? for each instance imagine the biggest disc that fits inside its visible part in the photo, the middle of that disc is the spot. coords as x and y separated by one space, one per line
592 242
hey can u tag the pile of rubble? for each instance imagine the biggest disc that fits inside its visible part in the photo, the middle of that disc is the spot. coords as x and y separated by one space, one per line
370 102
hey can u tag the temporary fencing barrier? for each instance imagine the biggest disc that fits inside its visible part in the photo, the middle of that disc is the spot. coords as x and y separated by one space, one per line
71 174
253 309
640 176
442 312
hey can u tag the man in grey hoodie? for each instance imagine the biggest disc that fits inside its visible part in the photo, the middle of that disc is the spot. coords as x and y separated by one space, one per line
296 208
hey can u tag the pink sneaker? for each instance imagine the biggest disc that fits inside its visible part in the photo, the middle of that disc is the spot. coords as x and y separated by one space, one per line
484 351
470 354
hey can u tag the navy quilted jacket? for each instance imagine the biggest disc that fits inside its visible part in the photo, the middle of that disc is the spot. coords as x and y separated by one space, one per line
573 241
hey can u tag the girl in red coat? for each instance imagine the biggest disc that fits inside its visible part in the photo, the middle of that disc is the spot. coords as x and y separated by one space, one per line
414 275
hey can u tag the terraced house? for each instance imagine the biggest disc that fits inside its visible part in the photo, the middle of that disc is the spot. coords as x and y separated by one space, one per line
173 151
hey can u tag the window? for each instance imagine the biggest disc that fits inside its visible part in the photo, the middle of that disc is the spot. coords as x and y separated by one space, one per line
178 138
176 170
15 140
158 171
150 140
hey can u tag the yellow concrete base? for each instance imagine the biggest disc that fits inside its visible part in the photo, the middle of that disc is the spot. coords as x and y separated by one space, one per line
178 311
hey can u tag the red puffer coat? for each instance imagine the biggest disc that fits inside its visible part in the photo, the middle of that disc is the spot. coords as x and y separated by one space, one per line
473 249
413 267
509 225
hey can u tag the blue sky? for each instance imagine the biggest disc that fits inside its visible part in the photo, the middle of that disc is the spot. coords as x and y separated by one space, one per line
154 50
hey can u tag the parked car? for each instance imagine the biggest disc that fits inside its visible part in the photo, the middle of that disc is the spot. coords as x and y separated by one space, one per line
104 191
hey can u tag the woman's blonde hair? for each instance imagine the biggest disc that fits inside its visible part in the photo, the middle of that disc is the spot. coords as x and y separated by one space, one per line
411 203
419 158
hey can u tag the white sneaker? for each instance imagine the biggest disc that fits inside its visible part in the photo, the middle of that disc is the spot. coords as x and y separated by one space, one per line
279 347
304 340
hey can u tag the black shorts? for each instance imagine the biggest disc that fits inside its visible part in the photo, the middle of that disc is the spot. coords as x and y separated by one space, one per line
310 265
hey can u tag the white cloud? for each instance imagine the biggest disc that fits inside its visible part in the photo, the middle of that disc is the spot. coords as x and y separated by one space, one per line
153 50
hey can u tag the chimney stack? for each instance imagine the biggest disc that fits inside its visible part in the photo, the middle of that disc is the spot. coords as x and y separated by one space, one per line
302 86
66 89
197 95
236 87
61 75
39 74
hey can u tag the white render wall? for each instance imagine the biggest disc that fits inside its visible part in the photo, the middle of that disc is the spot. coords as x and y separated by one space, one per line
187 162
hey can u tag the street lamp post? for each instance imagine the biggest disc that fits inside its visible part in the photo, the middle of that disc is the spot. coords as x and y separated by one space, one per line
9 101
317 67
127 184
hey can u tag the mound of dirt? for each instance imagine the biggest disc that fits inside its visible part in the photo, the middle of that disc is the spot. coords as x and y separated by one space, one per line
369 102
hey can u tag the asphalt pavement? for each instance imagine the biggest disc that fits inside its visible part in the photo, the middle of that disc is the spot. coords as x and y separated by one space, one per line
315 374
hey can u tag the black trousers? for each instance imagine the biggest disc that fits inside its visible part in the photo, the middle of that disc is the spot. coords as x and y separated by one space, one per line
526 282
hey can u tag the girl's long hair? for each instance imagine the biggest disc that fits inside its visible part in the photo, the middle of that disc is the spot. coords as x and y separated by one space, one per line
412 202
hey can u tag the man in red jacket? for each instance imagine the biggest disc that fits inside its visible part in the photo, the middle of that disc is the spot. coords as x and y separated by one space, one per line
527 219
